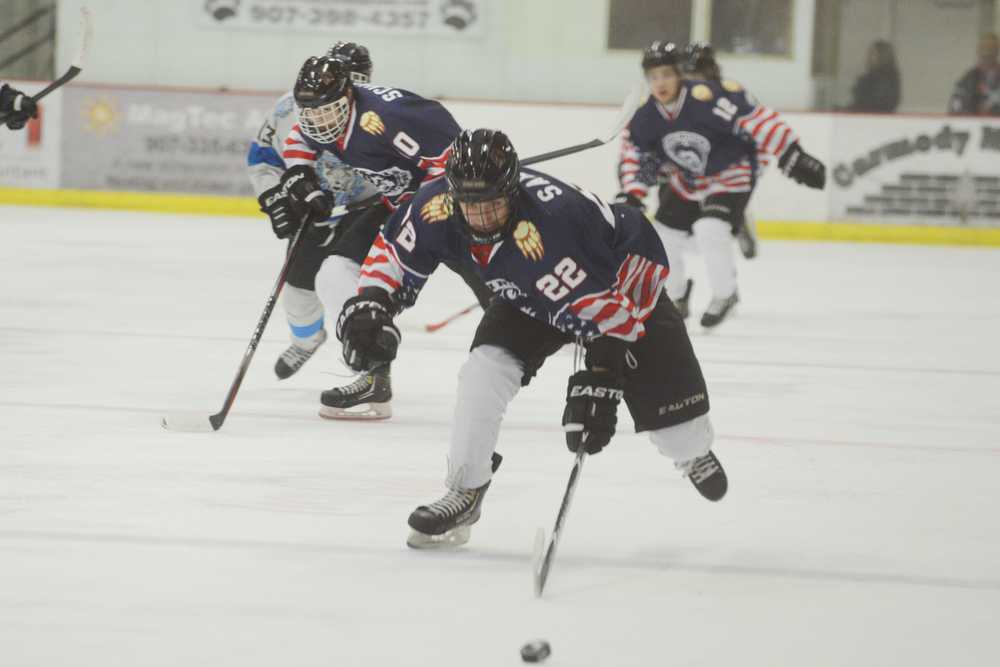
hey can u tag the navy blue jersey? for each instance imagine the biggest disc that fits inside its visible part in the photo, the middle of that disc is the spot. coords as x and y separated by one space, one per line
571 260
711 139
394 139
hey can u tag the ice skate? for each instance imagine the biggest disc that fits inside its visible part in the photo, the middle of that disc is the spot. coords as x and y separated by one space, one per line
718 309
368 397
707 475
682 304
746 238
447 522
295 357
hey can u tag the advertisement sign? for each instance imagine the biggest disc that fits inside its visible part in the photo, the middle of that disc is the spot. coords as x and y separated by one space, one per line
159 141
29 157
399 17
916 171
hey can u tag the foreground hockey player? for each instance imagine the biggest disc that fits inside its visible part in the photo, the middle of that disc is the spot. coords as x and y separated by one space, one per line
20 107
303 308
710 135
564 266
700 63
396 141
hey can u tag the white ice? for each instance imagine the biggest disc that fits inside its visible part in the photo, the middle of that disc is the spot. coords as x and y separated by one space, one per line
856 398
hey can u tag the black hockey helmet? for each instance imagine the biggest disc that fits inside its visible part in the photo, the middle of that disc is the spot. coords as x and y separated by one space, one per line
660 53
321 94
699 59
357 56
483 167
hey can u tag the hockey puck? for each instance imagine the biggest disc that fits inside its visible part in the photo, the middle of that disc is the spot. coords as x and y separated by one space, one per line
536 651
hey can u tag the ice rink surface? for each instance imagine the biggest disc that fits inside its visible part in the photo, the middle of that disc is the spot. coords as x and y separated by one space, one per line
856 397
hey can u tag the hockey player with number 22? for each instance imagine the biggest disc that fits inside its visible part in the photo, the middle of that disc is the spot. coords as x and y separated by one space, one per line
564 266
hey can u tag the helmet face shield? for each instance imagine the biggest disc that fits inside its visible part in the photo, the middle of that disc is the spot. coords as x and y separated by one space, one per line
486 218
326 123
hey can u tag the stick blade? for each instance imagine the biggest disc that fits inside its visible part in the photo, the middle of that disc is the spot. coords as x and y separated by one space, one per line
634 99
187 422
538 563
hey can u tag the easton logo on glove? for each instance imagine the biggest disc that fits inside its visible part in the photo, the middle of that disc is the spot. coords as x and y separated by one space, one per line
597 392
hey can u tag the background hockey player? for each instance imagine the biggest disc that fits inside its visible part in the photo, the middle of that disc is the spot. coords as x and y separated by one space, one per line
700 63
563 265
303 308
396 141
20 107
711 135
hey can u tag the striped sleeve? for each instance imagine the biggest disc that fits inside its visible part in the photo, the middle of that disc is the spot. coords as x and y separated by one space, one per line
434 165
622 310
767 129
296 151
629 168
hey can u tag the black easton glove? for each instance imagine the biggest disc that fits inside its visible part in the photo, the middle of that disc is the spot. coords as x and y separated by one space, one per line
285 217
802 168
366 330
21 106
629 199
301 185
592 396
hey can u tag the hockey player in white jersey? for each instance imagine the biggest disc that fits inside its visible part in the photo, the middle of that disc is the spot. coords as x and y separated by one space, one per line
303 307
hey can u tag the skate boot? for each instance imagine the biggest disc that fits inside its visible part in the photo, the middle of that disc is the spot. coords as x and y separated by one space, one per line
368 397
746 239
718 309
707 475
447 522
682 303
292 359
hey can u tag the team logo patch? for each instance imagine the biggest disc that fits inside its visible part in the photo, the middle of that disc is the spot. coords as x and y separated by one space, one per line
371 123
702 93
440 207
689 150
529 241
731 86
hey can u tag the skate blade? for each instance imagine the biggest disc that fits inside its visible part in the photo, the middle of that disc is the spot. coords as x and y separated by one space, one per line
450 540
360 412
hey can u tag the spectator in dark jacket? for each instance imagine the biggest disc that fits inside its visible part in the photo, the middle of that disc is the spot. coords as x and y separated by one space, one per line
978 92
877 90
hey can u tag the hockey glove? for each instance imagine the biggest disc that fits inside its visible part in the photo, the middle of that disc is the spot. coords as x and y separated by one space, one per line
302 187
629 199
19 105
366 330
591 413
285 218
803 168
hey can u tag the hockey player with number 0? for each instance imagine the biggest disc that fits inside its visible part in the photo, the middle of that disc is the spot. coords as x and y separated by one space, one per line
396 141
564 266
303 308
709 134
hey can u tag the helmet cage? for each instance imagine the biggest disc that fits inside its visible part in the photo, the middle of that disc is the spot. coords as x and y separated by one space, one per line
326 123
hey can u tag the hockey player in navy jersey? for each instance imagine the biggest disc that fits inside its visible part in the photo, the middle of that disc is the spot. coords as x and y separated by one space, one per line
564 266
699 63
709 136
396 141
303 307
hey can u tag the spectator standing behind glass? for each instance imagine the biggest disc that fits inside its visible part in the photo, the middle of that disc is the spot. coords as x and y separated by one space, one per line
877 90
978 92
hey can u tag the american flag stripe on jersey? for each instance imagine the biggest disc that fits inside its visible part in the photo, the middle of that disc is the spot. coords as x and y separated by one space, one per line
621 310
767 129
381 267
296 151
628 168
434 166
735 178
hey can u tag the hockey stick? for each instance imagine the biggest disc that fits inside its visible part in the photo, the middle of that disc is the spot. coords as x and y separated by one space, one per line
629 107
544 554
201 423
86 31
434 326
